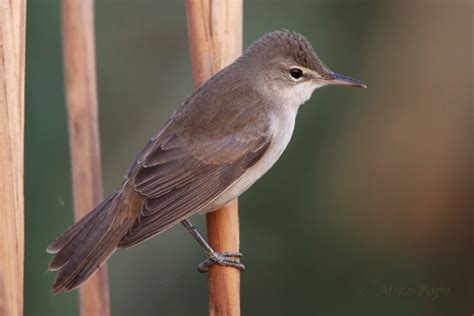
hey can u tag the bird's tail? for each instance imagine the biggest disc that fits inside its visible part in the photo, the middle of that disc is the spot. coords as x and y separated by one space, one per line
86 245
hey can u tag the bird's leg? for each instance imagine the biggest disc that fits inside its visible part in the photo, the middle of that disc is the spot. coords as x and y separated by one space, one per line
227 259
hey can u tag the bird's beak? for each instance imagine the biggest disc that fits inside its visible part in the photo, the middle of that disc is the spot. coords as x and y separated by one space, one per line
341 80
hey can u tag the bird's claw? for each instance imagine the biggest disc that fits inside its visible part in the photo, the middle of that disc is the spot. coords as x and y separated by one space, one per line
226 259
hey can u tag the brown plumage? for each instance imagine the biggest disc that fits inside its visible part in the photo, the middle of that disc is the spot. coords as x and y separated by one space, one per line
81 249
185 166
289 46
214 147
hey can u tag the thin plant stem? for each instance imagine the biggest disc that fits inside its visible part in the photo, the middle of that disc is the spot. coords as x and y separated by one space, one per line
81 97
215 35
12 83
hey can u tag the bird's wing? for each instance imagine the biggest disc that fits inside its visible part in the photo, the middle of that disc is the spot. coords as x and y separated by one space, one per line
181 170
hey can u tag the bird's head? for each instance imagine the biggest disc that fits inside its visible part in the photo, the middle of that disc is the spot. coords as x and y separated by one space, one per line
286 66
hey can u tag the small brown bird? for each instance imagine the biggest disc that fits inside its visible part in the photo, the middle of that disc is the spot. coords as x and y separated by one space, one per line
225 136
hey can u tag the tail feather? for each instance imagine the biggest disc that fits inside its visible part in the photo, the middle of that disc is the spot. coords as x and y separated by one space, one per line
80 255
100 254
62 240
83 248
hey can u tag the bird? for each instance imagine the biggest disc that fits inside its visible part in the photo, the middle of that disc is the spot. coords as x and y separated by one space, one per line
219 142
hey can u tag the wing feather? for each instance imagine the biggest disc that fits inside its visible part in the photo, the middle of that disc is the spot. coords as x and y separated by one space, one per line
190 162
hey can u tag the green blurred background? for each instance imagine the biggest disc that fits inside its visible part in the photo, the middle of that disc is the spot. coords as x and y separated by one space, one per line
369 211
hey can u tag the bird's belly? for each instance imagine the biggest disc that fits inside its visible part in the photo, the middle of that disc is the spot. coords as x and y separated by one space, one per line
283 131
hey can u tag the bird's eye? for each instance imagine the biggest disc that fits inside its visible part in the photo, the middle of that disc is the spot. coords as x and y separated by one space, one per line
296 73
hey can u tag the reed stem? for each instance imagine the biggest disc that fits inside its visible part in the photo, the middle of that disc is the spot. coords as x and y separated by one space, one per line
215 35
82 105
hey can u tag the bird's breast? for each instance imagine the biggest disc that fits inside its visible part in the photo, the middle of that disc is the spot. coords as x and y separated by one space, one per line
282 127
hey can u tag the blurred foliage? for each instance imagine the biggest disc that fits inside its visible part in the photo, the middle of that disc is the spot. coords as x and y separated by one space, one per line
369 212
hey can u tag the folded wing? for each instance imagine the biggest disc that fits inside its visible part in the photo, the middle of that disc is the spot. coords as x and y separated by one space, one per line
179 173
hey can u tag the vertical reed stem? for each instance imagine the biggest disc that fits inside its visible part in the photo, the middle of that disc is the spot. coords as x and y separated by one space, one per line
12 83
81 95
215 34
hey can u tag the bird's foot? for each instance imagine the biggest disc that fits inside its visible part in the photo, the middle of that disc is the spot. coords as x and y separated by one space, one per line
226 259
